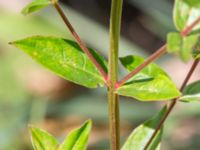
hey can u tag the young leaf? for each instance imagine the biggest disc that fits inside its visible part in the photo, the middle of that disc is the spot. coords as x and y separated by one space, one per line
191 92
35 6
183 45
141 135
193 3
187 46
65 58
42 140
150 84
174 41
184 14
196 50
77 139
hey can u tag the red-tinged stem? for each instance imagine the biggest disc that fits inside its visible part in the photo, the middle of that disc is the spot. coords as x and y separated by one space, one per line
172 104
79 41
156 55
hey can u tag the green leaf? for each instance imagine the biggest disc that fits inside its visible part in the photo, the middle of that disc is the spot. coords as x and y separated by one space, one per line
183 45
150 84
187 46
191 92
42 140
65 58
77 139
193 3
174 41
196 50
35 6
185 14
141 135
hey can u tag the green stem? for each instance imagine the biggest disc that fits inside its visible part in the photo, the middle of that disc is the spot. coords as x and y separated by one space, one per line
113 99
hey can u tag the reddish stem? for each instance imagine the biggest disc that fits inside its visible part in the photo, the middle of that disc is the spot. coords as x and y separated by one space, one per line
154 56
173 103
79 41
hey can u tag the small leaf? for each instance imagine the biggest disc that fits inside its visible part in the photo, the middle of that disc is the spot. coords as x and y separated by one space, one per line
185 14
183 45
142 134
196 50
187 46
77 139
35 6
191 92
42 140
65 58
193 3
174 41
150 84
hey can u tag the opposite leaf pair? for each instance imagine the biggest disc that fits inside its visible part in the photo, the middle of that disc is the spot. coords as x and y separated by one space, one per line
185 13
76 140
66 59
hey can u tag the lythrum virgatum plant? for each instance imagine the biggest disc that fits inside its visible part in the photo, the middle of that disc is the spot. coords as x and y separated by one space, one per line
146 81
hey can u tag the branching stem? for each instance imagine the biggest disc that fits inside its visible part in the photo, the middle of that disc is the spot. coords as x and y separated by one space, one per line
156 55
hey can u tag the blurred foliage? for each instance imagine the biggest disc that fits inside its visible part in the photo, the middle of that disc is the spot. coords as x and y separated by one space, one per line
30 94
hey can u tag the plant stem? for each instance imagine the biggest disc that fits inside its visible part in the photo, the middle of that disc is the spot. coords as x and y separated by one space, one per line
113 99
79 41
157 54
172 104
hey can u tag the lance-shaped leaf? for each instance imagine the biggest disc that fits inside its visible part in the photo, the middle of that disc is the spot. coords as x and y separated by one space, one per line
183 45
77 139
191 92
185 14
150 84
142 134
42 140
35 6
65 58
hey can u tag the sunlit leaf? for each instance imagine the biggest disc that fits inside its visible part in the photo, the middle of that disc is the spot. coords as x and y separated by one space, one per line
65 58
141 135
150 84
191 92
193 3
35 6
77 139
42 140
185 14
174 41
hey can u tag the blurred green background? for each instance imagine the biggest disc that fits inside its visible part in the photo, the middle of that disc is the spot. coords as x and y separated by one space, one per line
30 94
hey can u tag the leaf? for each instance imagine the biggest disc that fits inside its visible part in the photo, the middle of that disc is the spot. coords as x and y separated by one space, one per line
65 58
77 139
141 135
191 92
193 3
184 14
35 6
42 140
150 84
196 50
183 45
188 43
174 41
